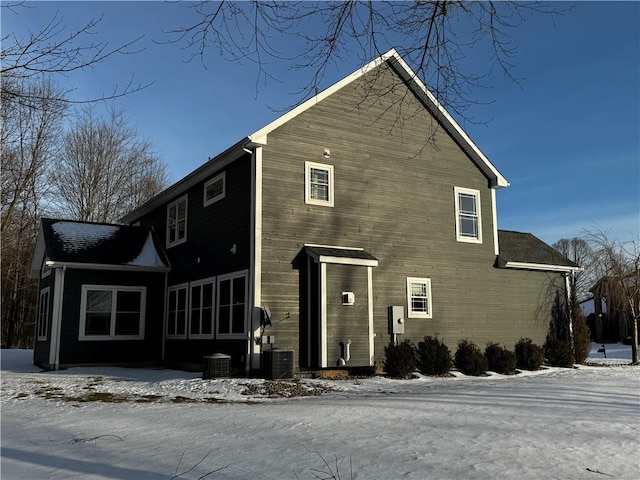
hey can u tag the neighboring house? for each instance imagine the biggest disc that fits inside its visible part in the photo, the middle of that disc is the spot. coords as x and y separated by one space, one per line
367 196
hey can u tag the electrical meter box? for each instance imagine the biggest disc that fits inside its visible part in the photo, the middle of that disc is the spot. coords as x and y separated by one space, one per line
396 319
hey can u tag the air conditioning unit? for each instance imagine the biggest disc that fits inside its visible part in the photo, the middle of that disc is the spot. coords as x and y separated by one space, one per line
216 366
278 364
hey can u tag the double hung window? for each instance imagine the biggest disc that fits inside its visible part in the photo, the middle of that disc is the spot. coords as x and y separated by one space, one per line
201 316
468 218
419 297
319 184
177 314
43 314
112 313
232 305
177 222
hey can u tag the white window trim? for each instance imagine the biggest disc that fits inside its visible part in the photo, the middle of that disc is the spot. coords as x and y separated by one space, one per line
43 316
45 271
307 184
187 315
204 281
410 312
231 276
213 200
475 193
178 241
112 326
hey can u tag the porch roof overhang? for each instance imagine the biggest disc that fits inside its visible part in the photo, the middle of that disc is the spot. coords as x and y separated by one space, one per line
341 255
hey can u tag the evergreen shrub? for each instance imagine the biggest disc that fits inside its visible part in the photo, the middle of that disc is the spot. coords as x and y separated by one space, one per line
558 353
469 359
529 356
400 360
500 359
433 357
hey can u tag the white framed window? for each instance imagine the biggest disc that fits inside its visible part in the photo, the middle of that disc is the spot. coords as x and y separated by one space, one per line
177 311
177 222
419 297
46 270
319 186
232 305
215 189
201 308
43 314
112 312
468 216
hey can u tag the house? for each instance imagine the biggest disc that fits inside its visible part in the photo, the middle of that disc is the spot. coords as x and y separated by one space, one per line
363 215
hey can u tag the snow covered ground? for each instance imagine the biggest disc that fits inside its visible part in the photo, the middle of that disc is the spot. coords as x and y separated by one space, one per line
114 423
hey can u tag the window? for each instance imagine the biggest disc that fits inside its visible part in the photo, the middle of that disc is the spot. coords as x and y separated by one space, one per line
177 222
468 218
319 184
46 270
112 313
232 304
201 310
419 297
214 189
177 314
43 314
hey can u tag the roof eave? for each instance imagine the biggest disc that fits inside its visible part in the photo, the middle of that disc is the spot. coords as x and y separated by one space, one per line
105 266
541 266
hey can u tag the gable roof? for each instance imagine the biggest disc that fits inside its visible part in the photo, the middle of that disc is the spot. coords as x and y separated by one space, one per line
525 251
260 137
97 246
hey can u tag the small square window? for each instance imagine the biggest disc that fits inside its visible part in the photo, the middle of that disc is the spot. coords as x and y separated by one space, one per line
215 189
468 217
319 185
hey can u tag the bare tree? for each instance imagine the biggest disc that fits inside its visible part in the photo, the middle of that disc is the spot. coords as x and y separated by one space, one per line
433 36
105 169
29 139
617 266
579 252
54 50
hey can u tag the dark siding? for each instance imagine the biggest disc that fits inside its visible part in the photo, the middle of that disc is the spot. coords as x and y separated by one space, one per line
41 348
211 231
73 351
189 354
394 197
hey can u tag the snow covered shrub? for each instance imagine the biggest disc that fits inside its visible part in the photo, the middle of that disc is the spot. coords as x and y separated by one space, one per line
433 356
529 356
558 354
469 359
400 360
499 359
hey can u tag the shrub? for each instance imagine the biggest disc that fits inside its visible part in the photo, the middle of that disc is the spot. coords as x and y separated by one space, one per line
558 353
499 359
529 356
469 359
400 360
433 357
581 339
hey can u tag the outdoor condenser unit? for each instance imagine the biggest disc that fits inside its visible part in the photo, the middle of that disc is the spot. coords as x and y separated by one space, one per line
278 364
216 365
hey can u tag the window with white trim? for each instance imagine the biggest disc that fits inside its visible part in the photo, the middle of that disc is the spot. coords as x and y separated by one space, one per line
419 297
177 222
177 311
43 314
112 312
319 185
232 305
201 312
214 189
468 217
46 270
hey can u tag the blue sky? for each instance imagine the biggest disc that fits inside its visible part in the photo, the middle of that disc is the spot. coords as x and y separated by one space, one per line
567 138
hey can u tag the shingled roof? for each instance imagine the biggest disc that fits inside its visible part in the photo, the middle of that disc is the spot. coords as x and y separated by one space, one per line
524 250
68 242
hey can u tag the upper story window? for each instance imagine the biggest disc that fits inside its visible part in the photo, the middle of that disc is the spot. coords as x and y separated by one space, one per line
468 217
419 297
319 184
112 312
43 314
214 189
177 222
